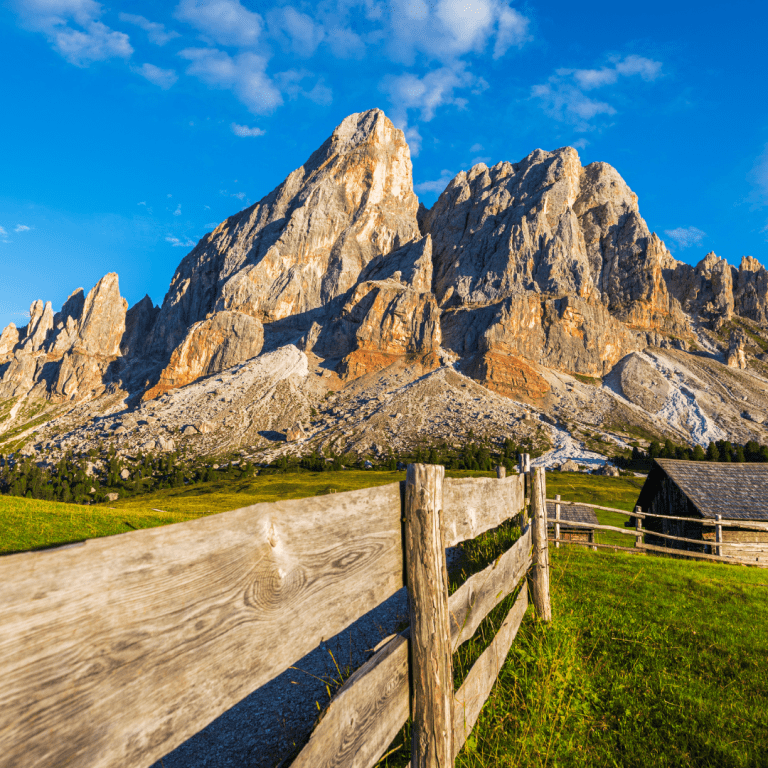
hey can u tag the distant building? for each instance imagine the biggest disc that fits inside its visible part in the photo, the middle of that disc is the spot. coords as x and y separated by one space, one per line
699 491
577 513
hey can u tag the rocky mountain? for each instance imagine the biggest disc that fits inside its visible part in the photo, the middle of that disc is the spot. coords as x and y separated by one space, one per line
535 286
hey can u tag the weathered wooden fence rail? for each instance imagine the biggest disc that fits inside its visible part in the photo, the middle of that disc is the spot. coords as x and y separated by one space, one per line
639 531
116 651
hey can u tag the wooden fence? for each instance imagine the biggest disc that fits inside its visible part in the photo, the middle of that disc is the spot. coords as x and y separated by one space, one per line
638 533
115 651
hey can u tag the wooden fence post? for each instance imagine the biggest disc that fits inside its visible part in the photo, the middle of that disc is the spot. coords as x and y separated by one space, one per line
557 522
431 662
501 472
638 529
719 535
540 570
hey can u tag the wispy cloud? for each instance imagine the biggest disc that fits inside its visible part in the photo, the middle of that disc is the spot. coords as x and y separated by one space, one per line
176 243
437 186
177 212
156 32
73 29
244 74
685 237
298 32
164 78
22 228
225 22
758 177
563 96
4 234
245 131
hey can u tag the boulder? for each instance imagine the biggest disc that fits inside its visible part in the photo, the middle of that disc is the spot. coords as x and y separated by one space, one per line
190 430
113 496
296 432
569 466
125 474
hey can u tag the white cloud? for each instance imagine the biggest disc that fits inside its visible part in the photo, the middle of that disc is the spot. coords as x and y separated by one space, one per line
244 131
239 195
156 32
476 148
177 212
176 243
296 31
90 40
438 185
164 78
581 143
448 29
21 228
512 31
685 237
481 159
243 74
226 22
562 97
3 232
426 93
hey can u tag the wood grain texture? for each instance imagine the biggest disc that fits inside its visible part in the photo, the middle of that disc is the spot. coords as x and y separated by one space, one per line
115 652
355 734
431 662
540 569
472 505
701 556
469 699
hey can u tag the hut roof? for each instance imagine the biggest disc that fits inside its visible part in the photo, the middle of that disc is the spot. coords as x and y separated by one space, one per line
735 491
578 513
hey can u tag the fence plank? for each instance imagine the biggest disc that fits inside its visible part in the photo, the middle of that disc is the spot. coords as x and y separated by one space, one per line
473 505
351 734
594 546
431 656
595 526
469 699
115 652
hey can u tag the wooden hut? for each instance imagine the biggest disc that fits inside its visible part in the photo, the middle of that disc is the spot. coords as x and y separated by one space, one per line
577 513
699 491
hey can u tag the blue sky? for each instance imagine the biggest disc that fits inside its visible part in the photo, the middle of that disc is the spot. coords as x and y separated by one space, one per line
130 129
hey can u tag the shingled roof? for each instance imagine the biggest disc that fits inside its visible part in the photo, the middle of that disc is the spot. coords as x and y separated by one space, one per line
578 513
735 491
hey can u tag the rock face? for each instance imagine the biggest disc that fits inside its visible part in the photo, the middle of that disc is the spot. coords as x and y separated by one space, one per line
736 357
66 355
306 242
519 274
212 345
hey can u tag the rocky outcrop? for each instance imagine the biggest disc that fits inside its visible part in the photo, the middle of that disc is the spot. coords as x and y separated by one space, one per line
307 241
706 290
549 225
9 338
212 345
736 357
751 295
68 354
139 322
390 313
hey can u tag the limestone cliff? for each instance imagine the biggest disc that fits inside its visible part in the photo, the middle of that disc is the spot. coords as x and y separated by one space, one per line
307 241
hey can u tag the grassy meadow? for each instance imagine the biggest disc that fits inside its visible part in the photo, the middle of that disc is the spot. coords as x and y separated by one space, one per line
648 662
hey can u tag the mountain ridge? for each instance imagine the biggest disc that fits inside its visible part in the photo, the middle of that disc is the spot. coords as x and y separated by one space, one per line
520 276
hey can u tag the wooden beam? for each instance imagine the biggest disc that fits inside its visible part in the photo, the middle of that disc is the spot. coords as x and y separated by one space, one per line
594 545
430 647
475 505
540 571
557 521
469 699
352 734
117 651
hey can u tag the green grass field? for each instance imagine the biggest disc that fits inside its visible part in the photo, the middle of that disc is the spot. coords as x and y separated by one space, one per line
647 662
